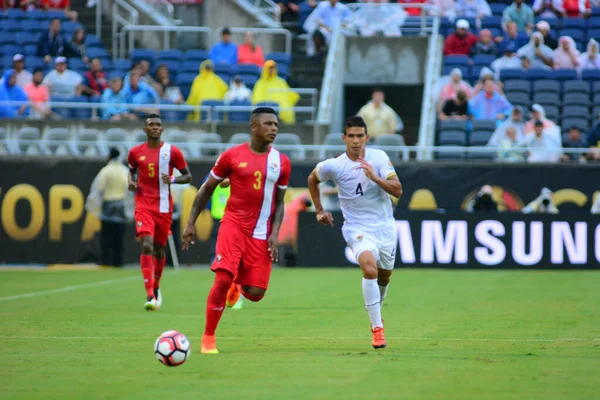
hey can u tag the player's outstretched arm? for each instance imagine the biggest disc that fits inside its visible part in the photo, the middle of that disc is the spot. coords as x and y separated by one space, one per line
200 201
276 224
323 217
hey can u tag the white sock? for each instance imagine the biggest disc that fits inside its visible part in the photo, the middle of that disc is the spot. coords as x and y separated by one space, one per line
372 301
383 293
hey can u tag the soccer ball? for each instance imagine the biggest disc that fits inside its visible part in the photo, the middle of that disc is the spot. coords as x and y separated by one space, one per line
172 348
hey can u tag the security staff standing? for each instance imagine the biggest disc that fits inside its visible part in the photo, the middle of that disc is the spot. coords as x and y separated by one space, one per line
108 200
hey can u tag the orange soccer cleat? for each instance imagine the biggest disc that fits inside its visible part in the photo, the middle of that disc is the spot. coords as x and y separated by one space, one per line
209 345
378 338
233 295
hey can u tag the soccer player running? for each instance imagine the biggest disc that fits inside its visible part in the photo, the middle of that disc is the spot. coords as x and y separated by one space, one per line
151 176
365 179
247 240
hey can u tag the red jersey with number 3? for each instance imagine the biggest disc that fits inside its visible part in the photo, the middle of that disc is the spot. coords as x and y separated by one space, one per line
152 193
254 179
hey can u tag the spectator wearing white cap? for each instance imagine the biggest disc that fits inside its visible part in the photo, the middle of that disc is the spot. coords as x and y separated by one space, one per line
548 8
23 76
63 82
461 41
543 27
521 14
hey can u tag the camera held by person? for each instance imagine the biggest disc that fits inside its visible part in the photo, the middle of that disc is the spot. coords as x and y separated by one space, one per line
483 201
543 204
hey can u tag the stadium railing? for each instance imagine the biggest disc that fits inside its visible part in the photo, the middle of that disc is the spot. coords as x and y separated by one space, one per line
132 18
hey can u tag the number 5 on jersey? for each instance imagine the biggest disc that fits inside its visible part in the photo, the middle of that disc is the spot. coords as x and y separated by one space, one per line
359 190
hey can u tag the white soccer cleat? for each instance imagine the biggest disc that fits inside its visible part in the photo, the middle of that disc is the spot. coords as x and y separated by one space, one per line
158 297
150 305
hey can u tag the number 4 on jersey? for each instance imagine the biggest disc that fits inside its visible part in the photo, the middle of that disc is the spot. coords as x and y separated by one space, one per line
359 190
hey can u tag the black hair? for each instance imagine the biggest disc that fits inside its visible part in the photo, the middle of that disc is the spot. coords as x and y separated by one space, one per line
113 153
355 121
150 116
538 123
35 71
574 127
377 89
258 111
225 31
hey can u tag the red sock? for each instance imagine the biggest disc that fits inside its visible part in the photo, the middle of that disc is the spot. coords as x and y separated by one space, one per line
146 263
159 265
216 300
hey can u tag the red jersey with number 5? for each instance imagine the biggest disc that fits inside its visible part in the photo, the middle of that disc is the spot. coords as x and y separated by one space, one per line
152 192
254 179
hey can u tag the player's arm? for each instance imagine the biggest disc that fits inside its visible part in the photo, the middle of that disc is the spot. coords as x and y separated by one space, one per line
323 217
133 167
204 194
179 163
391 184
276 224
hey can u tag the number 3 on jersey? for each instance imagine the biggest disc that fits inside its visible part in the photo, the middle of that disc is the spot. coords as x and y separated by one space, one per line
258 184
359 190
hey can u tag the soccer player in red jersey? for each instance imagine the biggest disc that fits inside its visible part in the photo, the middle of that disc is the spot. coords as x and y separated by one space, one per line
151 176
247 241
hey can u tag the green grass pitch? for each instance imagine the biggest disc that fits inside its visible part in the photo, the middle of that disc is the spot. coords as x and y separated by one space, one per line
451 335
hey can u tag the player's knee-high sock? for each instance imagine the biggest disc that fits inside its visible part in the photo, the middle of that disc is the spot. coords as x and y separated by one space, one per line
372 301
146 264
216 300
383 293
159 266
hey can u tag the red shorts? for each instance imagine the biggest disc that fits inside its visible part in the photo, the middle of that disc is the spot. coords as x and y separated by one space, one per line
153 223
247 258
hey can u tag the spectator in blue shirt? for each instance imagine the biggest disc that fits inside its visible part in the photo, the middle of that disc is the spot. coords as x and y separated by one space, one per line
9 91
141 94
224 51
489 104
115 94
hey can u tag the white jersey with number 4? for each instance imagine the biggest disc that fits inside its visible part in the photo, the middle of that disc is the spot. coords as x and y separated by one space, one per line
365 205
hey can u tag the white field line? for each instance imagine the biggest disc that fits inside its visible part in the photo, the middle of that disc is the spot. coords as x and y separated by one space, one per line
328 338
67 289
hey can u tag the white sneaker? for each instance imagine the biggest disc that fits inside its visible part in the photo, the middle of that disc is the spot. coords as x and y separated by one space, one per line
158 297
150 305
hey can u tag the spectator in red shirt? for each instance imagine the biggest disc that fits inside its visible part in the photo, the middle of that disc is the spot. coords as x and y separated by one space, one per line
413 12
64 5
249 52
576 8
461 41
94 82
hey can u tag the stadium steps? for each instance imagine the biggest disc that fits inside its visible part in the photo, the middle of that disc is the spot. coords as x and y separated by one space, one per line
304 72
87 18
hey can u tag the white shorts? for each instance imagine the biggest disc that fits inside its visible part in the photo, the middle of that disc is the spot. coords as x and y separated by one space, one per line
382 244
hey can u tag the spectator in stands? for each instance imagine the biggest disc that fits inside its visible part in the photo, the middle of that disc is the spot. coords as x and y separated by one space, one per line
538 113
238 91
142 69
574 141
521 14
271 88
38 96
167 89
515 122
115 94
94 82
566 55
508 61
455 85
78 43
206 86
23 76
590 59
225 51
379 117
455 108
9 91
380 18
412 11
543 147
511 35
320 23
443 8
63 82
249 52
543 27
484 74
289 9
461 41
485 44
578 8
142 96
54 44
472 9
508 144
25 5
489 104
593 142
63 5
525 63
548 8
536 51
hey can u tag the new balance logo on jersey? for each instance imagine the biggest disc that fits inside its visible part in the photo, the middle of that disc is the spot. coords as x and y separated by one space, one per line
243 164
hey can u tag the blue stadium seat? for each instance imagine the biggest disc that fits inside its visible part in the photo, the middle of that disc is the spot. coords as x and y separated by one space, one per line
553 22
576 99
536 73
463 68
497 8
518 99
121 63
595 11
511 73
226 76
213 115
280 57
8 40
456 138
491 22
283 71
565 74
576 86
142 54
576 34
239 116
30 50
573 23
517 85
35 27
169 115
63 112
590 74
475 71
452 125
249 69
34 62
200 55
552 112
575 112
594 23
80 113
10 49
96 52
190 66
37 15
15 14
11 25
483 59
24 38
249 79
69 27
57 15
223 67
77 63
582 124
172 54
456 60
479 138
173 66
546 98
546 86
593 34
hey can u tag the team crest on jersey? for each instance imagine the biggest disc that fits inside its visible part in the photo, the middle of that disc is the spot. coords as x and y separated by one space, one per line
274 168
219 257
139 224
164 156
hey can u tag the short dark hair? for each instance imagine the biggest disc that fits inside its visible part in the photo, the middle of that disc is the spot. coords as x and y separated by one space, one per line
225 31
573 127
377 89
258 111
150 116
355 121
35 71
538 123
113 153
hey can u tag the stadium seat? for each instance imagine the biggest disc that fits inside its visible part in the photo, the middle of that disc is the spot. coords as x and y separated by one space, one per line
491 22
249 69
56 141
280 57
172 65
573 23
576 86
465 69
511 73
80 113
517 85
172 54
63 112
453 125
290 140
456 60
389 140
594 23
28 139
458 138
87 143
213 114
239 138
283 71
552 112
332 139
480 138
575 112
483 59
15 14
137 55
24 38
519 99
35 27
497 8
249 79
536 74
564 75
198 55
239 116
214 139
546 98
37 15
582 124
576 99
576 34
190 66
457 154
546 86
169 115
9 40
484 125
590 75
140 137
57 14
